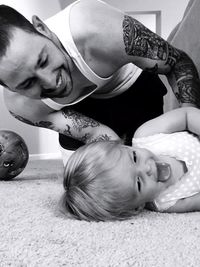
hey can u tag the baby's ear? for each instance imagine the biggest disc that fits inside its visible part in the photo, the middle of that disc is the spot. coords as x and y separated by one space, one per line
139 209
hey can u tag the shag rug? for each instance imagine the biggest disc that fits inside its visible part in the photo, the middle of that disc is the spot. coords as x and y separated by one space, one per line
34 233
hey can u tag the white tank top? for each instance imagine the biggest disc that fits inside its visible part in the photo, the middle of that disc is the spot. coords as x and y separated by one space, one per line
119 82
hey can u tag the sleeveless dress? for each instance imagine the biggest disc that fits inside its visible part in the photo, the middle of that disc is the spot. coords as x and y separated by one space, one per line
182 146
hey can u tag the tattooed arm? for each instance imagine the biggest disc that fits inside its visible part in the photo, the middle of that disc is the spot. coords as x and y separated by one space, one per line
131 42
80 127
68 122
154 54
73 124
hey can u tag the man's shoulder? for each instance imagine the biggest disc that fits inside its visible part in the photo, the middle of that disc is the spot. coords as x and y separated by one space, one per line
24 106
91 11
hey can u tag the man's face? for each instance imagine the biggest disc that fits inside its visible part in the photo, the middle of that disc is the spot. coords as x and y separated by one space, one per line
35 67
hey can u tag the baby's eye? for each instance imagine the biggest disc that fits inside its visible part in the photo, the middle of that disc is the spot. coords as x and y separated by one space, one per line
138 183
134 156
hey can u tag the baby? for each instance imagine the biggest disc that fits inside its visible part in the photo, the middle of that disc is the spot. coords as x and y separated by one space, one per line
161 172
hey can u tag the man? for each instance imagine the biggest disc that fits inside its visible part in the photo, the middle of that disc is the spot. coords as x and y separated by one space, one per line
89 60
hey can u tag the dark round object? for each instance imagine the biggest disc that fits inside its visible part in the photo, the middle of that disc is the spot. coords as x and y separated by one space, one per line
14 154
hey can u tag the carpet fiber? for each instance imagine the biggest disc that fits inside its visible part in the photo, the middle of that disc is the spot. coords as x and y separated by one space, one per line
33 233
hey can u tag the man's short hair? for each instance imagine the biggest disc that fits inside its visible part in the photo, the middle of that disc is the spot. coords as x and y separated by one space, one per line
9 19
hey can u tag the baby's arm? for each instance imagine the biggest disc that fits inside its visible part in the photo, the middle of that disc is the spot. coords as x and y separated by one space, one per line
181 119
186 205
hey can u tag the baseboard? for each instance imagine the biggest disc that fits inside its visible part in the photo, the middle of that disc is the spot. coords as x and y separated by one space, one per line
45 156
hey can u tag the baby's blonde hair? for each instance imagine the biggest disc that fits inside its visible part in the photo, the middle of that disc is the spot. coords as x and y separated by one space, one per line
92 192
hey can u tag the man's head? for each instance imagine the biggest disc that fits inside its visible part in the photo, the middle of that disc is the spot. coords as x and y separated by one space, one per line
109 181
31 61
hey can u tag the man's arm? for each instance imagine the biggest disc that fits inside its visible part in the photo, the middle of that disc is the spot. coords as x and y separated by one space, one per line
72 124
132 42
154 54
66 121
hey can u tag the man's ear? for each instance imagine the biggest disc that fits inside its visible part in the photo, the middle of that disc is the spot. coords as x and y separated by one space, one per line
41 27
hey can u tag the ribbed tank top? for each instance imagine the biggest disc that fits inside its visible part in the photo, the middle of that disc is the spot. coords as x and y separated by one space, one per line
116 84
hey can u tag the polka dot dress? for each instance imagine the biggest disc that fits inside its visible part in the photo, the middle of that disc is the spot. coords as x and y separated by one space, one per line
182 146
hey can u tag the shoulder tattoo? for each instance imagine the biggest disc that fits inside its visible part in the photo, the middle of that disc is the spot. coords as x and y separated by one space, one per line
141 42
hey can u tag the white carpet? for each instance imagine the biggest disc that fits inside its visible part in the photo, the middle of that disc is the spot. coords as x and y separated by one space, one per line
32 233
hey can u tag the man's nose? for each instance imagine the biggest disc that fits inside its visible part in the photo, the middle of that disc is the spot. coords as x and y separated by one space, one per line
47 79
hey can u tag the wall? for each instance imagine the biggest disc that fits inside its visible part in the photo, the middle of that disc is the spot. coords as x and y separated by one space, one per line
171 10
41 142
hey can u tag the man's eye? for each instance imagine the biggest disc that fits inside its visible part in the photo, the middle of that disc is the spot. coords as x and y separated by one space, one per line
134 156
28 83
138 183
43 63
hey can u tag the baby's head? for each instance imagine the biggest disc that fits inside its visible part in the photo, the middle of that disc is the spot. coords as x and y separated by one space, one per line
109 181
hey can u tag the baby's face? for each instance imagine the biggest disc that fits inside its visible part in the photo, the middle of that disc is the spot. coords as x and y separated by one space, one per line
137 173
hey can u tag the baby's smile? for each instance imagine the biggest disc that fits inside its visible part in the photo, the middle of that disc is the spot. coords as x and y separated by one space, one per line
163 171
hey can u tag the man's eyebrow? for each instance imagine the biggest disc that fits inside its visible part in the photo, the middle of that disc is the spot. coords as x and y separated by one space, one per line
40 56
35 67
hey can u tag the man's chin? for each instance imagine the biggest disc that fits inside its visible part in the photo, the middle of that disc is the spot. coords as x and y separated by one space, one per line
62 93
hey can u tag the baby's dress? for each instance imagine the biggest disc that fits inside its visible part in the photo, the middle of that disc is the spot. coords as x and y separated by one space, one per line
182 146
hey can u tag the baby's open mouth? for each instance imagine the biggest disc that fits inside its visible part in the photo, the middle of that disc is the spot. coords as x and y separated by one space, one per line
163 171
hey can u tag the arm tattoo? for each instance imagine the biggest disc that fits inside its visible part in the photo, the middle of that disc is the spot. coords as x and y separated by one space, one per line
87 138
44 124
188 82
79 121
68 131
141 42
21 118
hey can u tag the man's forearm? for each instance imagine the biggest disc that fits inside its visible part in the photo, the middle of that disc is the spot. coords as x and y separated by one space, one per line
152 53
184 80
74 125
86 129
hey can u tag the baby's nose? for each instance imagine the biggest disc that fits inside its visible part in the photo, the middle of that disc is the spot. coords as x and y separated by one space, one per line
146 169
